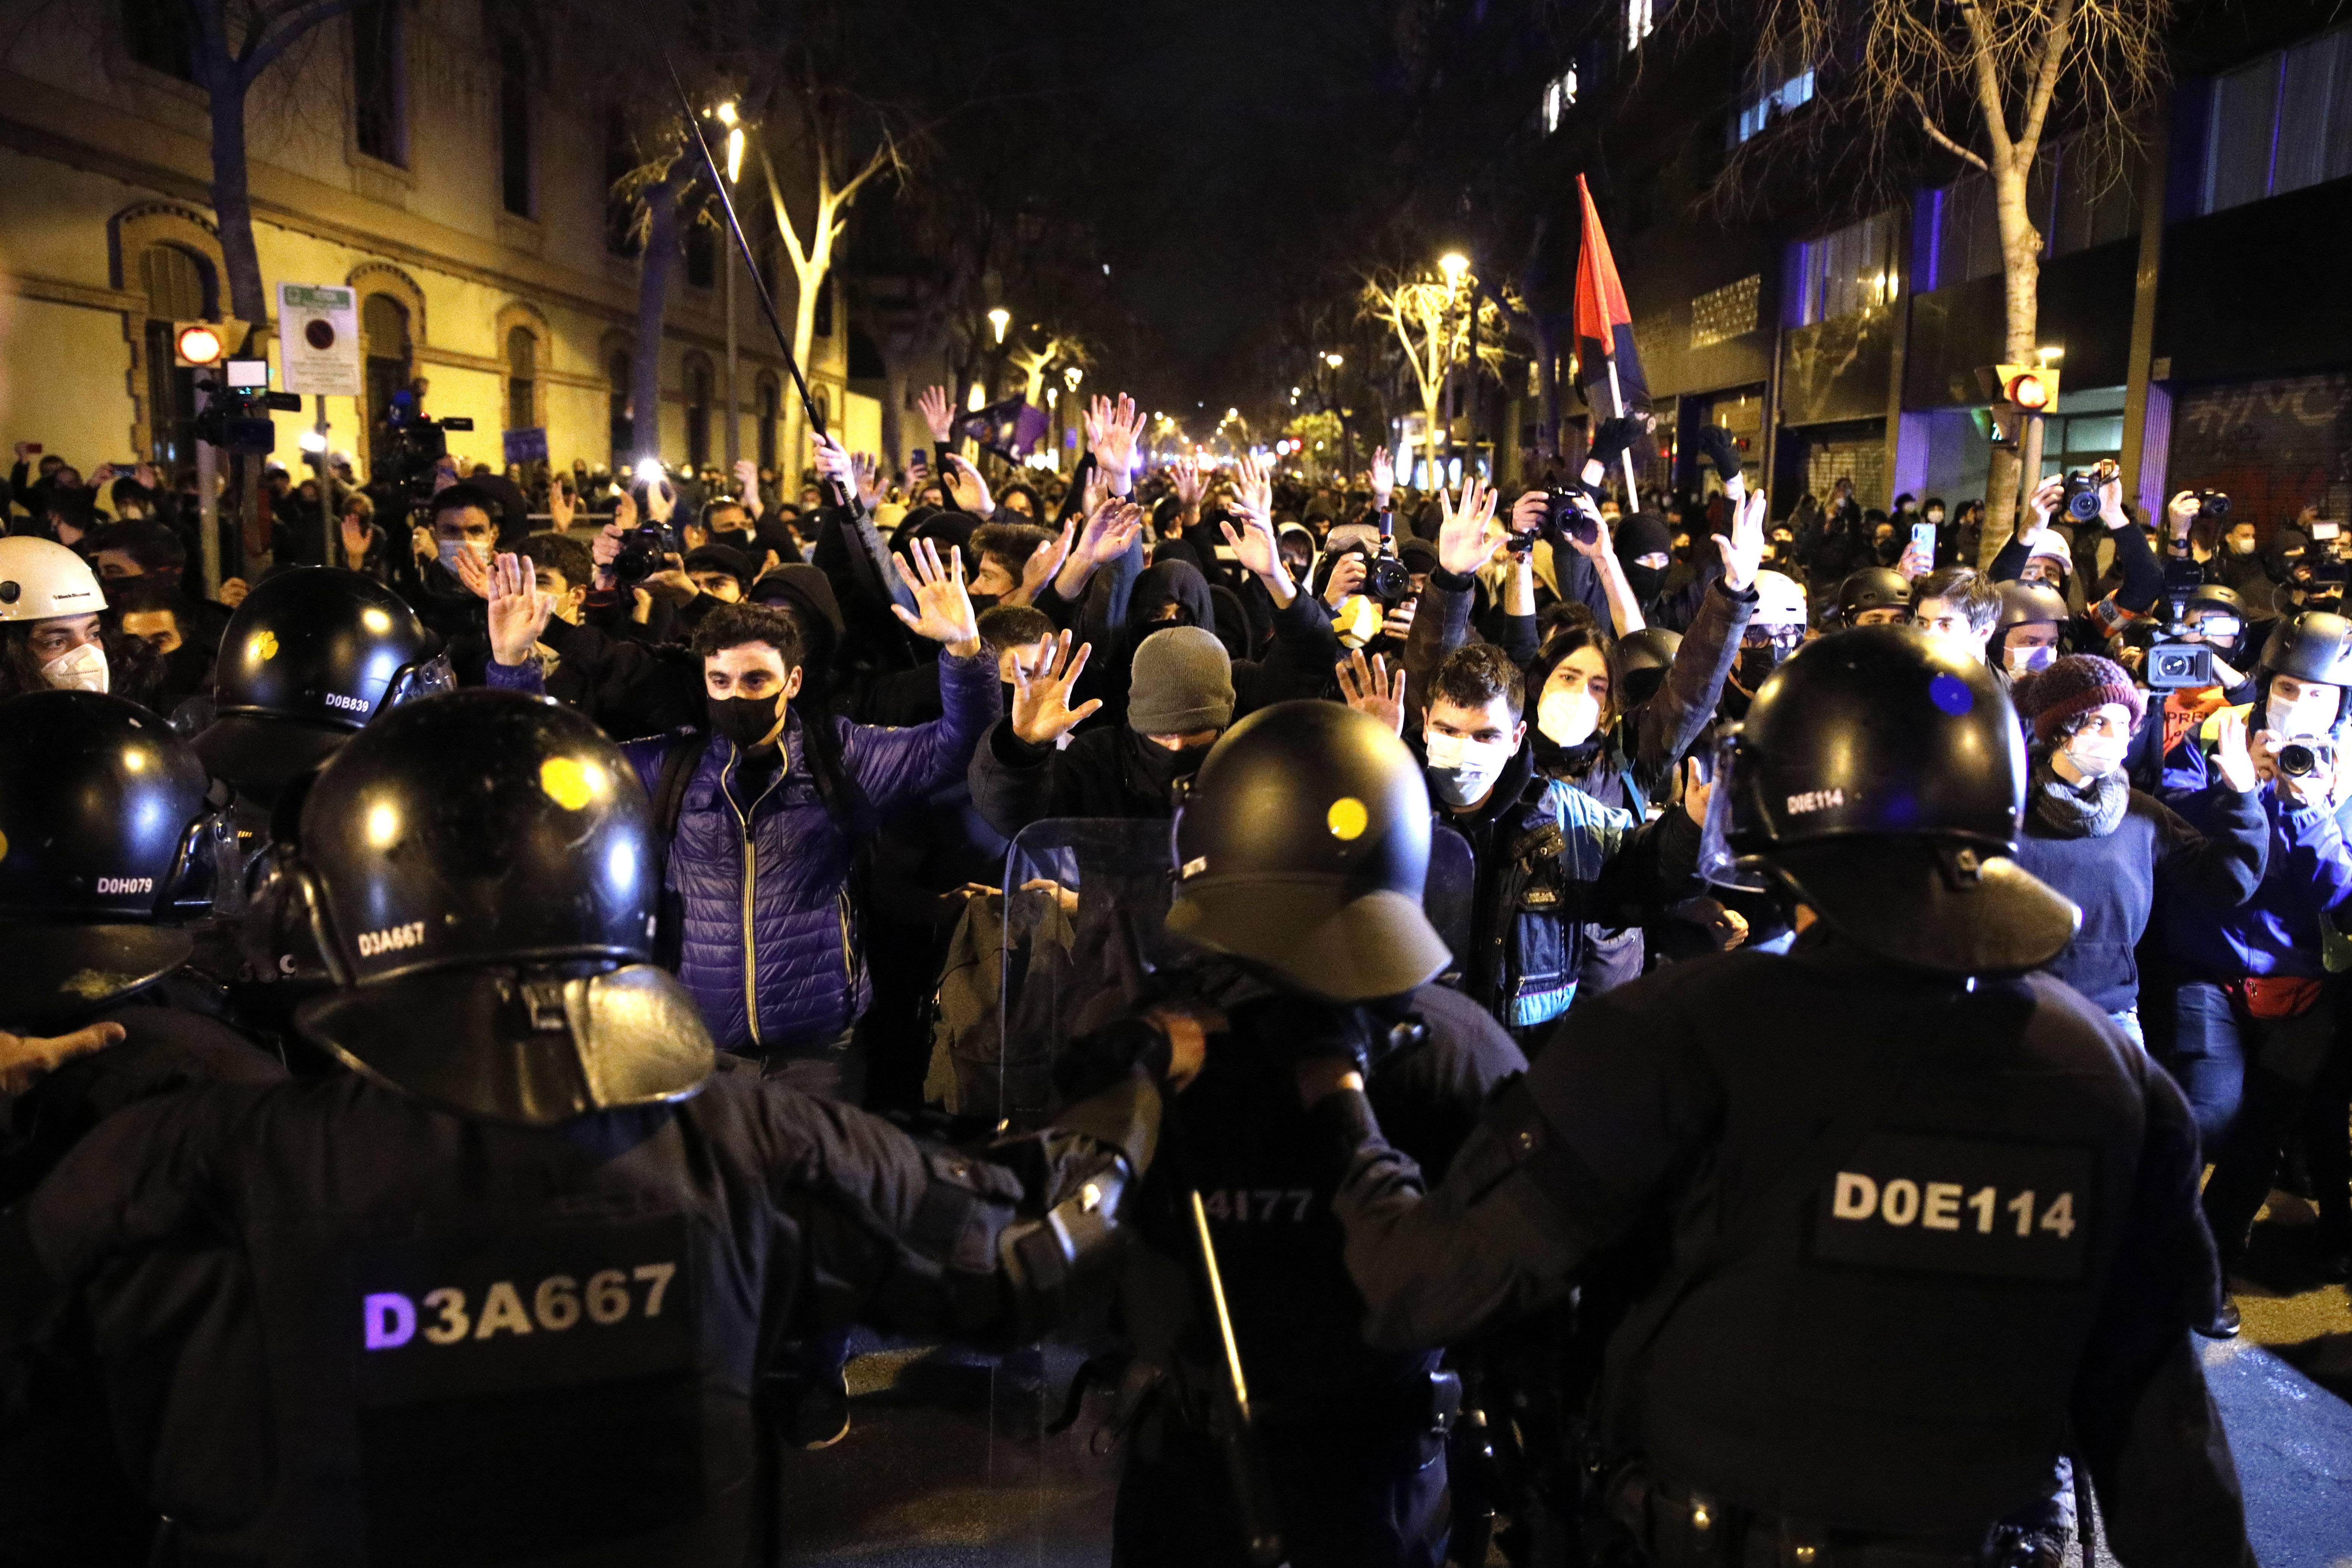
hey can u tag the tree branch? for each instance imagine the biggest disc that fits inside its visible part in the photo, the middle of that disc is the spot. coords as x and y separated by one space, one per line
272 38
1981 50
2045 81
1936 131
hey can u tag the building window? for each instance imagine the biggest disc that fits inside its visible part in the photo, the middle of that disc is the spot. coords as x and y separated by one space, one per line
155 32
2280 123
522 379
1641 20
616 403
620 206
824 305
1560 97
378 126
767 396
179 287
1847 272
514 126
698 411
1781 83
384 337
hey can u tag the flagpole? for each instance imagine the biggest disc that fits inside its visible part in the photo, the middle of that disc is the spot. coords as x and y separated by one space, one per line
1633 491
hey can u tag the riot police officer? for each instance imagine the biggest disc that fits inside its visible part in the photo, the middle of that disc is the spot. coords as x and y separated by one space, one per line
1301 848
508 1282
1931 1218
309 658
108 849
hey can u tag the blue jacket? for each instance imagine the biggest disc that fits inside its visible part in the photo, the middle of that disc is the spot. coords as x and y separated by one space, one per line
770 945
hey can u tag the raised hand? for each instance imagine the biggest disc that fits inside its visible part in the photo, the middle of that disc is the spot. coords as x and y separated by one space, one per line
660 500
934 406
2181 510
965 485
1190 478
2044 502
2232 758
1371 688
1383 477
943 609
1041 713
1253 490
1112 429
562 506
1043 563
747 487
868 474
1110 531
357 537
1743 553
1462 543
518 611
833 463
1697 790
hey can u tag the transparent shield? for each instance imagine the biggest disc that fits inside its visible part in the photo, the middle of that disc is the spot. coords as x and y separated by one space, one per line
1717 860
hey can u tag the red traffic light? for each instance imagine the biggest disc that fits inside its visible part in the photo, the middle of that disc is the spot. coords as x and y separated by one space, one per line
197 343
2029 392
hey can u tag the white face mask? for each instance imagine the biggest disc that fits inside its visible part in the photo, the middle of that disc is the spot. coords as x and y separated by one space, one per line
448 550
1462 770
2096 756
2240 546
1568 718
80 669
2027 660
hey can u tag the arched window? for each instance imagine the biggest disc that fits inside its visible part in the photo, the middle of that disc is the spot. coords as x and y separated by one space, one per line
617 370
522 379
179 285
767 396
385 336
698 411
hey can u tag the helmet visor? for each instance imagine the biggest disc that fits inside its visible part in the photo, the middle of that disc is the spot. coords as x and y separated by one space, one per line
414 682
1718 862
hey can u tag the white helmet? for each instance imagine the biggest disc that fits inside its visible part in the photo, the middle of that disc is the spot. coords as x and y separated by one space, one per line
1780 602
41 579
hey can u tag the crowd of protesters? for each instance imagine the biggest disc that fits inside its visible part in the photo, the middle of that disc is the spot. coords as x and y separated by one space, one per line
845 701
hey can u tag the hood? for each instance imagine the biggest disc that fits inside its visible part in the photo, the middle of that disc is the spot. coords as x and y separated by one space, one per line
807 590
1643 534
1163 582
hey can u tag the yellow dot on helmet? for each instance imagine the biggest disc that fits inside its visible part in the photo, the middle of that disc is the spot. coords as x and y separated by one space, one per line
1348 818
263 646
569 782
3 847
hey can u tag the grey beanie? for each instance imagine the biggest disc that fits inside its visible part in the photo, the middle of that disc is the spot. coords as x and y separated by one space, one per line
1182 682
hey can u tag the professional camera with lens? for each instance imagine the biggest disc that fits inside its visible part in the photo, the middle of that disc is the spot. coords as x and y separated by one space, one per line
642 550
235 418
1387 579
1562 514
2180 666
2302 758
2213 503
411 447
2082 493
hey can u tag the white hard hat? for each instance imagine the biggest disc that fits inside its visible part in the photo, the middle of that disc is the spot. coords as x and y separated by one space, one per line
1780 602
40 579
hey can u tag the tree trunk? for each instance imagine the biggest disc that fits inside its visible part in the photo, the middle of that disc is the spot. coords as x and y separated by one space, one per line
795 454
894 400
662 252
2020 247
233 201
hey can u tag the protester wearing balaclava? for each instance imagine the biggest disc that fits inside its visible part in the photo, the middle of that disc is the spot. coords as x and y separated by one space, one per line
1179 696
1645 550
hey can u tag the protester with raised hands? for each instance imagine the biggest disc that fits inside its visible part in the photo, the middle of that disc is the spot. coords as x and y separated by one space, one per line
2036 551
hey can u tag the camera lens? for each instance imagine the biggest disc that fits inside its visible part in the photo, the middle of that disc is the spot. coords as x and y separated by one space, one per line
2296 761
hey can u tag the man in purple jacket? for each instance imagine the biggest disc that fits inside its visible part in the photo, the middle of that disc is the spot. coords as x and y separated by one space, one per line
764 808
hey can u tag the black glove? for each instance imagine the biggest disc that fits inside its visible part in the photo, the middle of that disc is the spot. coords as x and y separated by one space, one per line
1715 443
1610 438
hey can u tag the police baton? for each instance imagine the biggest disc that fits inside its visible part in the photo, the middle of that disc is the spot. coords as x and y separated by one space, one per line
1252 1494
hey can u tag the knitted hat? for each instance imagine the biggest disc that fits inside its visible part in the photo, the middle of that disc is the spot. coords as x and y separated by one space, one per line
1182 682
2075 684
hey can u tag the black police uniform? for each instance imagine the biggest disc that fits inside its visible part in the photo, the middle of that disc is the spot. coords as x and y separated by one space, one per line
1352 1434
501 1294
1926 1228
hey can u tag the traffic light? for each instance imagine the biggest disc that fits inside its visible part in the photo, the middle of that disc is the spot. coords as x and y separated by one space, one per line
198 344
2016 390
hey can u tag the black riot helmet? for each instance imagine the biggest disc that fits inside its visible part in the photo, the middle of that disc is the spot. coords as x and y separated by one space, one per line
308 660
1642 660
1873 588
1881 778
478 874
2313 645
106 843
1301 849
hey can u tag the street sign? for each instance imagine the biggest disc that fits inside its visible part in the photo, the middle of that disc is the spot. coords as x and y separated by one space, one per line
526 446
319 340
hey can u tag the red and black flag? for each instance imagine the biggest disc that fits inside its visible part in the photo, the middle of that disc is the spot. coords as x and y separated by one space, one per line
1605 326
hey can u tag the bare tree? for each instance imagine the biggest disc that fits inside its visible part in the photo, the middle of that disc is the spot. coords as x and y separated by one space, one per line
1986 81
1430 319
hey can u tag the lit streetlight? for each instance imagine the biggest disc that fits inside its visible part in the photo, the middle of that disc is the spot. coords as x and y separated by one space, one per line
1074 376
1454 264
999 319
1334 361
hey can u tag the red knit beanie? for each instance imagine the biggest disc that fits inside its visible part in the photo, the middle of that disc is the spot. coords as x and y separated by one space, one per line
2075 684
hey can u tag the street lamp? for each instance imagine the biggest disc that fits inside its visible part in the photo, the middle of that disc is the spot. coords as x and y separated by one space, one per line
1334 361
1454 264
999 319
1074 376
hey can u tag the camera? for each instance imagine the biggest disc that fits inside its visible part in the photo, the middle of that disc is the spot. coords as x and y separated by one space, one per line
411 447
1563 515
2213 503
236 419
2301 759
1387 579
2178 665
642 550
2082 493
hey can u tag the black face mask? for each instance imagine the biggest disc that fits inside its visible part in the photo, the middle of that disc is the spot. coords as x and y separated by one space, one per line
745 720
1164 767
983 603
1754 666
1645 581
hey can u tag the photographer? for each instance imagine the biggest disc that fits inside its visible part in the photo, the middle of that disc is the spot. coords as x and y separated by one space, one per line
2037 552
2252 1019
2215 617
